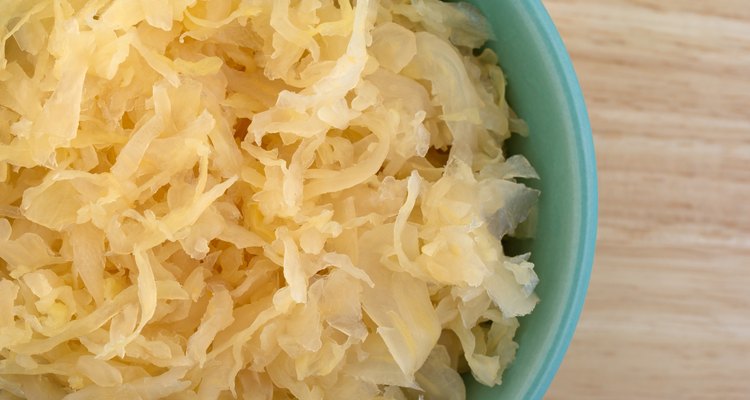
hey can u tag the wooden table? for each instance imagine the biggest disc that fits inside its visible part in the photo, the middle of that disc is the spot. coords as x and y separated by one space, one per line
667 83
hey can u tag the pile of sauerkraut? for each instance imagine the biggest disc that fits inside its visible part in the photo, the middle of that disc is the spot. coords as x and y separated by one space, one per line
260 199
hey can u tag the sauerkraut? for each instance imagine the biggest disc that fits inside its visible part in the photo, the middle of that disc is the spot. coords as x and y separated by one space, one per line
257 199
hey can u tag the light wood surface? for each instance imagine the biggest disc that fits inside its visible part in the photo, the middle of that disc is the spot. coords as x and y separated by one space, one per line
667 83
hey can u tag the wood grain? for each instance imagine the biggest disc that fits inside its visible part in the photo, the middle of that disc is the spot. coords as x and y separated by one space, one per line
667 84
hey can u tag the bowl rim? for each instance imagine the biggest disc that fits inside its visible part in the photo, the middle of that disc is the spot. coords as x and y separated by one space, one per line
586 172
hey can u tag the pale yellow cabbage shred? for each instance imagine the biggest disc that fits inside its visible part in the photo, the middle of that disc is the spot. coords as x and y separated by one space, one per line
258 199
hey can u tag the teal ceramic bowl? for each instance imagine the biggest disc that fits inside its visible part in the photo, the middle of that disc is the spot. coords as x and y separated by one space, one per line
544 91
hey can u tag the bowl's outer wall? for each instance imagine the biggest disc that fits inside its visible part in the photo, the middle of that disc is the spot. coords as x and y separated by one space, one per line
544 91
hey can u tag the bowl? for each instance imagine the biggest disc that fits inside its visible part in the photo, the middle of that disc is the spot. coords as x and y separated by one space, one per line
543 90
